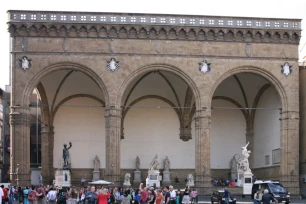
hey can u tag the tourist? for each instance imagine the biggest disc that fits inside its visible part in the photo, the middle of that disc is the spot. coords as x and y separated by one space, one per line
1 193
20 194
178 199
256 197
62 196
186 197
167 195
4 197
159 197
118 195
41 195
40 178
32 196
172 195
25 195
151 196
226 195
51 196
137 197
193 196
143 194
72 196
83 182
112 198
91 195
125 199
11 194
267 198
102 198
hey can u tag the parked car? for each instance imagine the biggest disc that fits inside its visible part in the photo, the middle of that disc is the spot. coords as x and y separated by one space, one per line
218 197
275 189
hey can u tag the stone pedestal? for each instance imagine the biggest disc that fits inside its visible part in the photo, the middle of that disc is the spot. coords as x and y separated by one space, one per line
166 178
247 183
96 175
154 178
234 176
137 178
190 183
239 179
62 178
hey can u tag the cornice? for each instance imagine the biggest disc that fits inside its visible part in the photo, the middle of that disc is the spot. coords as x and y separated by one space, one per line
152 26
153 19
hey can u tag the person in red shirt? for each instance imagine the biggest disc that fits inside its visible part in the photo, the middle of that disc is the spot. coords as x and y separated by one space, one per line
143 194
4 200
103 197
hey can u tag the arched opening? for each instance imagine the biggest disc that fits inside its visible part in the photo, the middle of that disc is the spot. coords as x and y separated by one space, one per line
246 107
157 118
70 106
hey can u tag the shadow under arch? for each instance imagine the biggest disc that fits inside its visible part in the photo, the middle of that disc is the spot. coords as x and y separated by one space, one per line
255 70
162 67
62 66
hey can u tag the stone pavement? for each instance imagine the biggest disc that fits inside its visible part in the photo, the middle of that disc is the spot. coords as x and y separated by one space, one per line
247 200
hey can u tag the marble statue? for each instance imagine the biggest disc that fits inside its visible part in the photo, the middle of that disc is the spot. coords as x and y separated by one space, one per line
137 163
127 178
96 163
190 180
167 164
154 164
243 162
66 154
234 164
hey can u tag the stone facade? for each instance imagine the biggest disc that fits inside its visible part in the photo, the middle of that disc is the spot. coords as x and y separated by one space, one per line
54 41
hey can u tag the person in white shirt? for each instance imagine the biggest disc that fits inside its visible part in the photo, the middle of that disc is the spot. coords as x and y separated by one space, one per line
172 195
1 194
51 196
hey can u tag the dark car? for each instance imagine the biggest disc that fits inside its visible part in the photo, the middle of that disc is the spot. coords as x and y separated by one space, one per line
218 197
274 188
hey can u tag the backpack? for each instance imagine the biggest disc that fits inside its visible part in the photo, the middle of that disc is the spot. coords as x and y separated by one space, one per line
62 196
32 196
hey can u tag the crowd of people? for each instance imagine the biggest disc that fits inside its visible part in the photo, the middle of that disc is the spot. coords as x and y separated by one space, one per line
96 195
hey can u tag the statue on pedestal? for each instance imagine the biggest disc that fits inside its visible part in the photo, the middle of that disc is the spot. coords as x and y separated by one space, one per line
96 164
137 163
127 181
154 164
244 161
66 154
167 164
190 180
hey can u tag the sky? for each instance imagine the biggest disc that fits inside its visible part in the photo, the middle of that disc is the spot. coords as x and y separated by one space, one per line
245 8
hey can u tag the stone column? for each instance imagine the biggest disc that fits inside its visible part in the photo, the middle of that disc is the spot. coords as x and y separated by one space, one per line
202 150
113 137
20 145
250 138
289 167
47 143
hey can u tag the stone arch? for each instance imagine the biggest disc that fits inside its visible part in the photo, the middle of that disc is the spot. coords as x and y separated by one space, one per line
60 66
256 70
154 67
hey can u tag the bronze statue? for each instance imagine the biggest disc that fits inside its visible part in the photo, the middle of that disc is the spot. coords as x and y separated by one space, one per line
66 154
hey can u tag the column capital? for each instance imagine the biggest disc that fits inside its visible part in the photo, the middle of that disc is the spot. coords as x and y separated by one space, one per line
290 115
113 112
17 118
